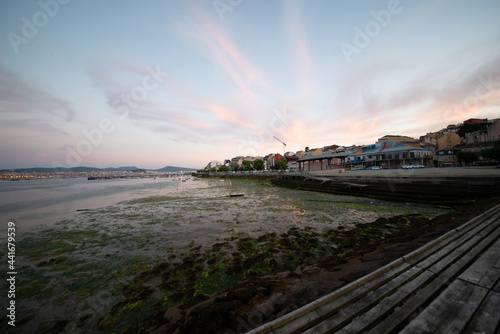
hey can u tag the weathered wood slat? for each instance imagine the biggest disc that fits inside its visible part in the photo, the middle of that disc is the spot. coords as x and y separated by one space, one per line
421 297
487 318
497 287
332 303
385 301
457 244
385 306
444 244
486 270
447 260
465 250
371 302
391 321
450 311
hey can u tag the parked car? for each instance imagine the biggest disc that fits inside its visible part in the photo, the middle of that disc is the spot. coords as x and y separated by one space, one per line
417 166
407 167
375 168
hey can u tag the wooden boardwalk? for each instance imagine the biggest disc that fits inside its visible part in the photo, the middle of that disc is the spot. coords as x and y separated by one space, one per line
450 285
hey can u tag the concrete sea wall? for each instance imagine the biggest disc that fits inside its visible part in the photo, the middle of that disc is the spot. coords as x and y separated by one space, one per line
440 189
435 190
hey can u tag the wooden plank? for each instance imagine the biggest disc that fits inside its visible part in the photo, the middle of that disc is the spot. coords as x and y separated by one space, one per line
450 258
315 310
338 301
373 303
446 251
395 321
487 318
387 305
497 287
437 262
449 241
450 311
458 267
425 295
486 270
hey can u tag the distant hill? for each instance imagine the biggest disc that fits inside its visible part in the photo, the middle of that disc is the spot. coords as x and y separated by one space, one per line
119 169
95 169
174 169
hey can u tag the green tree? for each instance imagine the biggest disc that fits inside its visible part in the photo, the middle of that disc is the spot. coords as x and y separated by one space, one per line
223 169
467 128
492 153
258 164
282 164
247 165
234 166
467 157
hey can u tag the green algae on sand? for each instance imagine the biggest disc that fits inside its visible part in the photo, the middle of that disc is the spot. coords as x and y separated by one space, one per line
108 269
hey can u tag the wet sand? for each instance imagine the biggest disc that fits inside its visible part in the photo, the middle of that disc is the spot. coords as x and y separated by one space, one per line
111 268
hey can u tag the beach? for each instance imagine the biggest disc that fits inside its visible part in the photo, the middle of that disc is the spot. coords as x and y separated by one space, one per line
111 267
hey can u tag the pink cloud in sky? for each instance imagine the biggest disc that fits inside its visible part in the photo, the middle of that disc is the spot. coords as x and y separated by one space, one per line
22 97
227 115
210 36
301 63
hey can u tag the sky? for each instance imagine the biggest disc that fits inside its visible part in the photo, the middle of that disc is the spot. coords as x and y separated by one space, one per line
181 83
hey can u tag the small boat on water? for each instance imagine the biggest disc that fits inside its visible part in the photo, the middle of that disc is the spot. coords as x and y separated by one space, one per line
236 194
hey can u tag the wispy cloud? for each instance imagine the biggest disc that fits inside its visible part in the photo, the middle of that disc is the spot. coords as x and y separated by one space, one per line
18 96
199 117
206 33
33 125
220 111
301 61
422 102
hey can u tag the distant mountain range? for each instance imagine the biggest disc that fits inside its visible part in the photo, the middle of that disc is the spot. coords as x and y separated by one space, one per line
95 169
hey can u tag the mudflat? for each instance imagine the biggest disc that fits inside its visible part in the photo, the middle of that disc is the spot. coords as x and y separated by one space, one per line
199 256
258 300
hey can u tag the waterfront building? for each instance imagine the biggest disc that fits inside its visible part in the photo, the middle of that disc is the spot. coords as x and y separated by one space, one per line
447 157
399 140
494 130
386 154
449 140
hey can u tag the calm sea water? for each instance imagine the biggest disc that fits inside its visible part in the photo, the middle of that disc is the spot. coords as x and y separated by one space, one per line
34 202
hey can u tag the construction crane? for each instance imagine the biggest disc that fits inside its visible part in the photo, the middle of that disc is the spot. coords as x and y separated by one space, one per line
281 141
